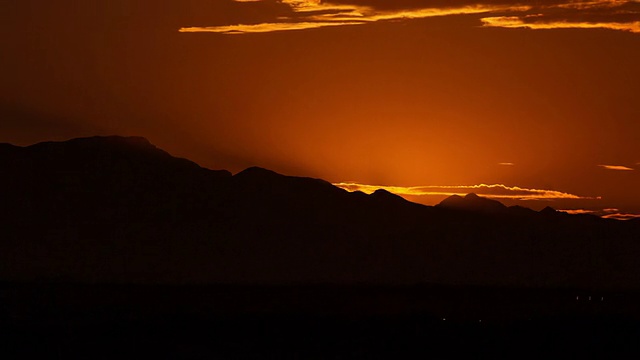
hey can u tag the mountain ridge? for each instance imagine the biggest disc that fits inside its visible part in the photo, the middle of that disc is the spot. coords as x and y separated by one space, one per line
122 210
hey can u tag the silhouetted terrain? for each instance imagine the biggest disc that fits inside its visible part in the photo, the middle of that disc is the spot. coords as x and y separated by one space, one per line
112 248
116 209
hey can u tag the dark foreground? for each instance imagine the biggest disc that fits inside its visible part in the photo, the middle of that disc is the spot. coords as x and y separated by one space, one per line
314 322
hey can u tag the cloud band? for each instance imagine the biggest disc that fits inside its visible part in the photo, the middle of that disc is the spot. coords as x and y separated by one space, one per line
494 191
621 15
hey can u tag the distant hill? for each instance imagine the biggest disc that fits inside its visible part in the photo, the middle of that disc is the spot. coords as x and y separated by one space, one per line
473 202
116 209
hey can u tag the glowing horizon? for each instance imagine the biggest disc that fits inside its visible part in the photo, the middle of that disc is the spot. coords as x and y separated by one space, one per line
492 191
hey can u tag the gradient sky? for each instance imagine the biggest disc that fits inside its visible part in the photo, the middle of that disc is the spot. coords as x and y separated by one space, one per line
539 100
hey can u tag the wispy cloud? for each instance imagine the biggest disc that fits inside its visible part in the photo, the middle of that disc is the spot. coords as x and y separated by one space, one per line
579 211
617 167
605 213
494 191
545 14
262 28
619 216
599 212
514 22
506 164
621 15
310 14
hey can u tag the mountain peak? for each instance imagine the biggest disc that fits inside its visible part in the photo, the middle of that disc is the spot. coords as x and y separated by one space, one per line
387 198
7 146
257 172
472 202
381 193
100 153
470 196
258 225
135 141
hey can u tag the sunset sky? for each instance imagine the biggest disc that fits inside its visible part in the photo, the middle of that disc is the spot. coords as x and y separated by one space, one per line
534 103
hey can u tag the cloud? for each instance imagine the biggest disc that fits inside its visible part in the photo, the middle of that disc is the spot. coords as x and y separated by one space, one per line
623 15
310 14
619 216
261 28
616 167
579 211
494 191
514 22
542 14
506 164
604 213
599 212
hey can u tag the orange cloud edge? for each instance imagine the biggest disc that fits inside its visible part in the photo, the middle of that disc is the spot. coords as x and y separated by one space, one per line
312 14
604 213
492 191
617 167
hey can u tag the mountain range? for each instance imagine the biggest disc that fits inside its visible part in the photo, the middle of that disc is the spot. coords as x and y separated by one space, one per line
120 210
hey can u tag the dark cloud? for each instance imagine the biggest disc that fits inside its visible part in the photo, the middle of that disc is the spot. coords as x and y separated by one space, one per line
593 12
614 15
308 14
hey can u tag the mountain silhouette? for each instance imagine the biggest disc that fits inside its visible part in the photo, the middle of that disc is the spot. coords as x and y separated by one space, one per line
473 202
118 209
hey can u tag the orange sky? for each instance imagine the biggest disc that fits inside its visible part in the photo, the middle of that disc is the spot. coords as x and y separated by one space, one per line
538 95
